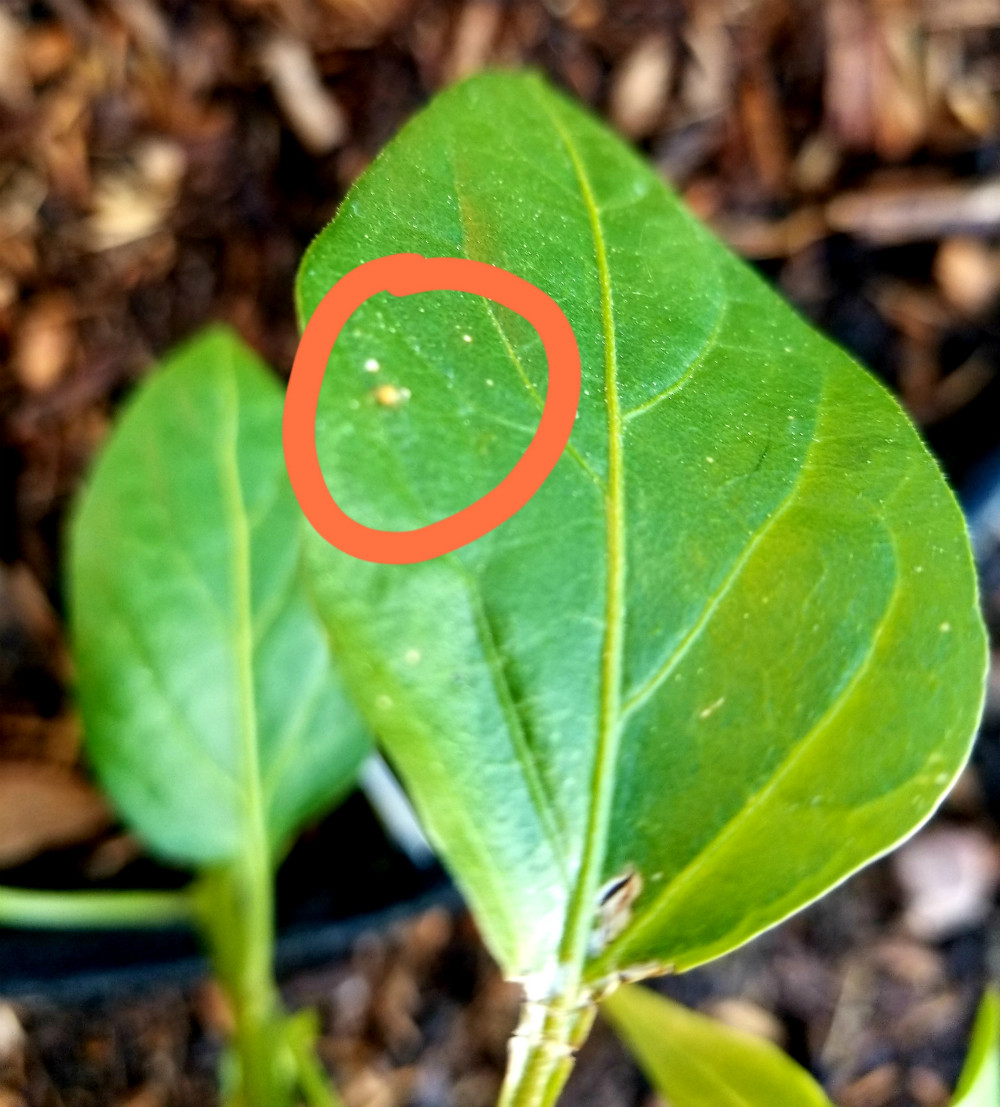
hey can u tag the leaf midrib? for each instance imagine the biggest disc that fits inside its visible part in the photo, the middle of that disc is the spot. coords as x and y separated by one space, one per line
576 934
255 846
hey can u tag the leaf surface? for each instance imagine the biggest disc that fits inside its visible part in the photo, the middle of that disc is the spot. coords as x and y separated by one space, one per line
979 1083
205 678
728 653
695 1061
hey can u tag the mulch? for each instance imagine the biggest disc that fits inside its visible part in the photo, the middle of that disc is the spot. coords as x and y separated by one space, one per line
164 163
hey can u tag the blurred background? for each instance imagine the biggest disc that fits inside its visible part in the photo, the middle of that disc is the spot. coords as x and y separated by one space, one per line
164 163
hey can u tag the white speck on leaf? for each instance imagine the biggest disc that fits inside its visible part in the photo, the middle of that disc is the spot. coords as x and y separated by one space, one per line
712 708
371 365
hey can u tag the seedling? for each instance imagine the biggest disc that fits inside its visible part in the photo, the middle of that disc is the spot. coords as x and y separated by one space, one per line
727 654
212 713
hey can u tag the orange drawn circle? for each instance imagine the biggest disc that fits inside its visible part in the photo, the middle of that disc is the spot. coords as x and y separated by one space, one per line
403 275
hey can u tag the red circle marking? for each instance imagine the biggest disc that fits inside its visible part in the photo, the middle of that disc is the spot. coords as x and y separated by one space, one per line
403 275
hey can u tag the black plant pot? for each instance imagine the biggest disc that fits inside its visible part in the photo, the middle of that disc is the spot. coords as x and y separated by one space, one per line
982 506
343 877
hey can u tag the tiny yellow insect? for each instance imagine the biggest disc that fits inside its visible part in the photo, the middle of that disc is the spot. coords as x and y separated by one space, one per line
389 395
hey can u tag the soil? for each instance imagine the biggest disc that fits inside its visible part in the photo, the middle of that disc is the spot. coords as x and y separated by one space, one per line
164 163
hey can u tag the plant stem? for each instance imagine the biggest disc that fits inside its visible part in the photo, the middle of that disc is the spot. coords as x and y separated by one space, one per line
237 914
27 907
313 1083
543 1050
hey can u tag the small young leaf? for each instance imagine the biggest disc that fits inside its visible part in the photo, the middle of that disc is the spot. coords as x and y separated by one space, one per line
727 654
694 1061
979 1084
205 678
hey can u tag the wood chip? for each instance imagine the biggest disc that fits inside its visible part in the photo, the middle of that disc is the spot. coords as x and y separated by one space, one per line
214 1009
900 104
949 876
132 201
313 112
960 14
849 67
9 290
150 1095
12 1037
579 14
968 273
476 34
928 1088
23 602
766 238
32 736
363 22
918 966
112 855
640 86
877 1088
45 341
708 77
852 1013
369 1089
15 86
147 24
973 101
749 1017
817 163
44 806
48 51
764 128
22 194
894 215
930 1018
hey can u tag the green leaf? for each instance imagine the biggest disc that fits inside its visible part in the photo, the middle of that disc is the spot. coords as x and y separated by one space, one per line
205 678
979 1084
694 1061
726 655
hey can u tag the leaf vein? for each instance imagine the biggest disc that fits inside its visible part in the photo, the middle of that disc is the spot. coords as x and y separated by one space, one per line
186 728
694 632
576 936
689 372
799 749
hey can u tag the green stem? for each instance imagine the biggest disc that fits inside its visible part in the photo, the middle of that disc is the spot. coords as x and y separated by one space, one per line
315 1086
237 904
27 907
237 916
543 1050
